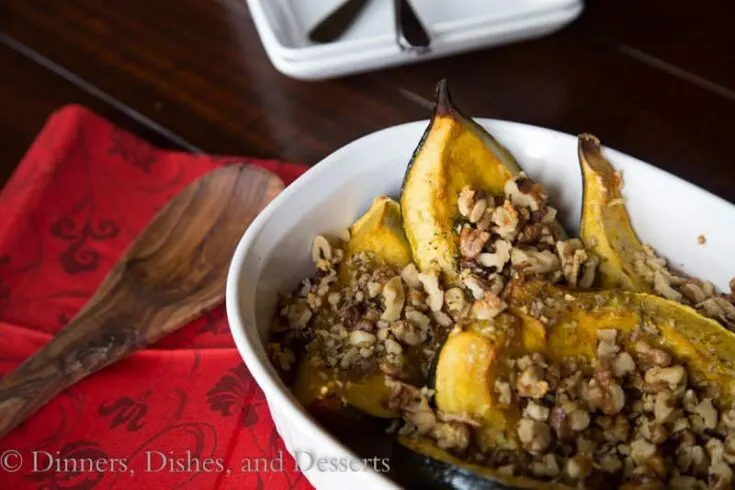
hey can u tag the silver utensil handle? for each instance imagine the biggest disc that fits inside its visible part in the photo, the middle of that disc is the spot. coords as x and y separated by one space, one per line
411 35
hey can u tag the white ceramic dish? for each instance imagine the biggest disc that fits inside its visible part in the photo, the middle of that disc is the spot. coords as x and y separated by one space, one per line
274 253
457 26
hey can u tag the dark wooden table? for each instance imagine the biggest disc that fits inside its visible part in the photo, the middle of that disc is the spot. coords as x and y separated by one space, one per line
652 78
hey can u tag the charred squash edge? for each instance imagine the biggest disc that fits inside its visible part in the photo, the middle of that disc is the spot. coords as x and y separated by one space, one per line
594 165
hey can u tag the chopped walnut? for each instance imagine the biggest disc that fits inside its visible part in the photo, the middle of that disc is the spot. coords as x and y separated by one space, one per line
662 285
504 392
693 292
534 435
606 346
653 431
534 262
410 275
321 252
692 459
433 289
393 347
707 411
579 467
451 435
718 307
680 424
572 255
394 298
578 419
413 403
506 221
715 449
531 384
720 476
546 466
457 304
610 463
476 285
498 258
690 401
523 193
641 450
360 337
589 268
729 451
407 333
478 210
472 241
728 418
442 318
488 307
649 355
536 411
615 428
608 397
664 407
673 378
298 314
622 365
466 200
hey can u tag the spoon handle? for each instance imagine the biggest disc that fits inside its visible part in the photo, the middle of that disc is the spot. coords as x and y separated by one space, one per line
410 32
337 22
96 338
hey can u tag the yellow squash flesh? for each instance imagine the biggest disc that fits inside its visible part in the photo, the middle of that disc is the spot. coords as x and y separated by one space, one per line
471 361
453 152
380 232
605 228
323 389
468 364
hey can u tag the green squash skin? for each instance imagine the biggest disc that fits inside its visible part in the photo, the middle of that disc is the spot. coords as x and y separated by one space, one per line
431 375
414 470
420 472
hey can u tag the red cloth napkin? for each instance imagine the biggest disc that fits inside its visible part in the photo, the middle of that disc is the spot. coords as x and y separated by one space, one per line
176 415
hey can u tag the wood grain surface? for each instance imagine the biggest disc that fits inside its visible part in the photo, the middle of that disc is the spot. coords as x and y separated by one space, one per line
654 79
171 274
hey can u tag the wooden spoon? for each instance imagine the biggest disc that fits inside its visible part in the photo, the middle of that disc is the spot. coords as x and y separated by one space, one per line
170 275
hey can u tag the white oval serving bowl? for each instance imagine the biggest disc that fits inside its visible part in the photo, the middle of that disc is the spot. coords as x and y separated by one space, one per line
274 253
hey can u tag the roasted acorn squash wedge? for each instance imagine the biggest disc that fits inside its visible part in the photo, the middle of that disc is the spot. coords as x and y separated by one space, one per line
605 228
472 360
420 464
453 152
380 232
466 368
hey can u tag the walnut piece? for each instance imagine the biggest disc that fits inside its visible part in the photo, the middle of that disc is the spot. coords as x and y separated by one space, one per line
434 291
394 298
531 384
534 435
